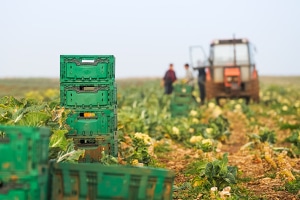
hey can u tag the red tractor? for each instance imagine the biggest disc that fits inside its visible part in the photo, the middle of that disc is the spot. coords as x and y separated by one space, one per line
230 69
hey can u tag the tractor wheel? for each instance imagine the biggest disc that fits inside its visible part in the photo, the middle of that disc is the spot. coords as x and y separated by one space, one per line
255 90
209 90
218 100
247 100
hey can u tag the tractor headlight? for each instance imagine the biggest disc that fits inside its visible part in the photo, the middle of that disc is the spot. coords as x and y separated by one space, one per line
229 78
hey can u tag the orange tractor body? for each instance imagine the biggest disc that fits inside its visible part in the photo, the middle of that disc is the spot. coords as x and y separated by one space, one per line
232 78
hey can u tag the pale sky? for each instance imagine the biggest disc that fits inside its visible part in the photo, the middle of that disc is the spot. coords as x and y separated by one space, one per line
144 36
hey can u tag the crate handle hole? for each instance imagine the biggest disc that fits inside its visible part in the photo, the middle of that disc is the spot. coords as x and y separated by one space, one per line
87 61
86 88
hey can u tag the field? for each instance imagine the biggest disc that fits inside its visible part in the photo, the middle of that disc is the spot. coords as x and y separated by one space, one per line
231 151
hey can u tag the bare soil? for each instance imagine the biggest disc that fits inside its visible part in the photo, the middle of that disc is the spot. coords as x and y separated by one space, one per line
262 181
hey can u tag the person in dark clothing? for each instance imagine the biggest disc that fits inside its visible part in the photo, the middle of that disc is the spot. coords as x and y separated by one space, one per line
201 83
169 79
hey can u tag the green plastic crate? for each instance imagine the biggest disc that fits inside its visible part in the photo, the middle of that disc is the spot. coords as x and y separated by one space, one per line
179 110
18 194
179 107
182 89
94 181
90 96
182 99
24 152
179 114
96 141
92 155
102 122
85 68
107 143
30 188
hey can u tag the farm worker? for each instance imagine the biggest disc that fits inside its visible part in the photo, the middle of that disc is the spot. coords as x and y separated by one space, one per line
189 78
169 79
201 83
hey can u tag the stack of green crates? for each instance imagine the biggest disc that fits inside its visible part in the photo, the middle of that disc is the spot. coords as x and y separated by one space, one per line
24 162
182 100
88 89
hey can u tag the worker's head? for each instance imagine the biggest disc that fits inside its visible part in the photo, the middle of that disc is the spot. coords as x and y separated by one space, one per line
171 66
186 66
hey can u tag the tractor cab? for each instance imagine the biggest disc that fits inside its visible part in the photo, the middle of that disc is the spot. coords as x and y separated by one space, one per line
231 62
230 69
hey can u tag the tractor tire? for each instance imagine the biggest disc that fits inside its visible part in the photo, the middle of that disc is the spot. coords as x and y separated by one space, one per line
209 90
255 90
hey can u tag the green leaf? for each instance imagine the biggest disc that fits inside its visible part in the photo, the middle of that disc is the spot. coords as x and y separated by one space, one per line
58 139
70 154
230 178
209 170
34 119
267 135
232 170
223 164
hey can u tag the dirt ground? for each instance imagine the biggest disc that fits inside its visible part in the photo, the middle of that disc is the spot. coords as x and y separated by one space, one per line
263 181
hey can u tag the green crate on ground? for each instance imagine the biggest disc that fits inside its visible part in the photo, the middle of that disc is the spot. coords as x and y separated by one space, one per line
24 152
179 114
85 68
179 107
182 99
182 89
178 110
92 123
90 96
35 187
176 113
94 181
